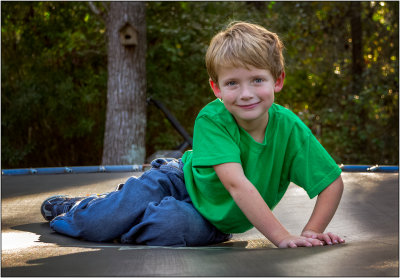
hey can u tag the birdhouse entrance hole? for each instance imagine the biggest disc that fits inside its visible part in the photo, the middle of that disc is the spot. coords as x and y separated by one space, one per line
128 35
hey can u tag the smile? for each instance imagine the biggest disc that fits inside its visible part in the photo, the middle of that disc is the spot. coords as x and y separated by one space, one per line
249 106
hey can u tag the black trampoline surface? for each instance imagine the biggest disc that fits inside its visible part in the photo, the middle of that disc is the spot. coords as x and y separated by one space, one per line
367 218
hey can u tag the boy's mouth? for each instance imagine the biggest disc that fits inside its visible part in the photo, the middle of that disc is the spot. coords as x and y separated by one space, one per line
249 106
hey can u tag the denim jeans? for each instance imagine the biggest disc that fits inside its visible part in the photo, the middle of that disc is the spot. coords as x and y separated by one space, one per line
154 209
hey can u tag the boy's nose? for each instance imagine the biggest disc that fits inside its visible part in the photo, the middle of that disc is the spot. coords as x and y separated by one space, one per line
246 93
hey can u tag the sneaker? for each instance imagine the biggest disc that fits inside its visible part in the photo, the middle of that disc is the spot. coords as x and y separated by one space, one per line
57 205
119 186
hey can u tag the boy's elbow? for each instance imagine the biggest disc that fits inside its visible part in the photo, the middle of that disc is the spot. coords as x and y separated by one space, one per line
335 188
231 176
339 184
232 187
239 187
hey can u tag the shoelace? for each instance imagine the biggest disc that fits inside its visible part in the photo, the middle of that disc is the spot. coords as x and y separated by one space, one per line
66 208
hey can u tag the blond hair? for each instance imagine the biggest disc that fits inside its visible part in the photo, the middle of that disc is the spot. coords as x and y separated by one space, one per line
242 44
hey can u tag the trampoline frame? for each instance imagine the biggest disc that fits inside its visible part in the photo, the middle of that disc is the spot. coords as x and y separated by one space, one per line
141 168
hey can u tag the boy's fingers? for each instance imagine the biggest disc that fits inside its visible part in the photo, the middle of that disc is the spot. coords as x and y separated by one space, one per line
315 242
330 238
325 238
292 244
305 242
336 239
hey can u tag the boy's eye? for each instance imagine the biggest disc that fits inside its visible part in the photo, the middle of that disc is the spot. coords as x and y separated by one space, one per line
231 83
258 80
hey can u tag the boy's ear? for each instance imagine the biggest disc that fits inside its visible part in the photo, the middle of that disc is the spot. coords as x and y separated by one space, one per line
279 82
215 88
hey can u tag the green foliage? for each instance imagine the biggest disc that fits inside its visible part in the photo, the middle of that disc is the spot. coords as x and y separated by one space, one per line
54 76
355 126
53 84
177 42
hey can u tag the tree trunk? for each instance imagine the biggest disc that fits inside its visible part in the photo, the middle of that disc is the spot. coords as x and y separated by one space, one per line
357 49
124 138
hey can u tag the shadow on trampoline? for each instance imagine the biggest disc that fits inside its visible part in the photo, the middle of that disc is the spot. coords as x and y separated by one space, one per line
47 236
115 260
369 207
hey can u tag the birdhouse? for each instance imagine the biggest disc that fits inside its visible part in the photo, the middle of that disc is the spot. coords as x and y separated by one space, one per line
128 35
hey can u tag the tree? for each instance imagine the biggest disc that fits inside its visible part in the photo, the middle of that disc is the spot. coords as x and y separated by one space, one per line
357 49
124 137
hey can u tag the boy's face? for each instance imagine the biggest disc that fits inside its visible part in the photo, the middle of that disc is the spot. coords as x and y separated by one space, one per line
247 93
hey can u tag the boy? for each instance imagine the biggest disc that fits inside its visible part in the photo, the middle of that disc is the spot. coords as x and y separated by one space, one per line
246 151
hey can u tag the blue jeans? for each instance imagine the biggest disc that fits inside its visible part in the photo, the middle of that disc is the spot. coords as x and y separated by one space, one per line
154 209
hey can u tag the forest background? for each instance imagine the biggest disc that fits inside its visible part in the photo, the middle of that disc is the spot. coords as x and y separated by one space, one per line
341 67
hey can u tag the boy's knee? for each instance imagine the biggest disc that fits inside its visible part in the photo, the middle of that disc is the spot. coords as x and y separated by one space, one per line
164 224
167 216
173 223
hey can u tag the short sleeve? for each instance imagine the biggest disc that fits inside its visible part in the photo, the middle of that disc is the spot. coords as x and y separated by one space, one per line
214 143
313 168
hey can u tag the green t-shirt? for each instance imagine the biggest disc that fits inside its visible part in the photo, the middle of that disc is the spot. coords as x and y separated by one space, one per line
289 153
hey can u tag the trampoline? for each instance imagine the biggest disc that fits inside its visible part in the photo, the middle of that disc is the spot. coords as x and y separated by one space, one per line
367 218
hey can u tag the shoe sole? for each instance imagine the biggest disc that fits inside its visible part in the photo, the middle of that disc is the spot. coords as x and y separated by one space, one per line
46 213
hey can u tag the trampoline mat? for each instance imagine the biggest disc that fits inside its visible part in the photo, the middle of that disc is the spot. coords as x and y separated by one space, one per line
367 219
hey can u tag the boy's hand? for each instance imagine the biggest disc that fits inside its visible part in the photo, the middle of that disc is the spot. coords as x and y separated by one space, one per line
327 238
299 241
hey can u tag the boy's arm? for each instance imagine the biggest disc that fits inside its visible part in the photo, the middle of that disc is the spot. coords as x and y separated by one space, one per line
325 207
255 209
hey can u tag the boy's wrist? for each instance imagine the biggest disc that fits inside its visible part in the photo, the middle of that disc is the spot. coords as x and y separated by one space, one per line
314 227
277 239
311 229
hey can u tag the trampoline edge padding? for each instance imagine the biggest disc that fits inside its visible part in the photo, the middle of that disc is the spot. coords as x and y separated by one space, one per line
140 168
75 169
